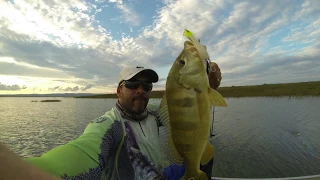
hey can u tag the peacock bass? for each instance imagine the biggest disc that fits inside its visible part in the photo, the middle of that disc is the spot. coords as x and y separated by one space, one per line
185 110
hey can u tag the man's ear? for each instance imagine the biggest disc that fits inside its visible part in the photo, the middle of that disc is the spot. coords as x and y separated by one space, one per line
118 91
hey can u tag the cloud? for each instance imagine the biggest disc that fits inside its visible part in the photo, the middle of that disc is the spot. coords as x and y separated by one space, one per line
277 68
24 69
306 34
129 15
309 7
54 88
73 45
69 23
14 87
87 87
253 42
70 89
76 88
239 41
85 63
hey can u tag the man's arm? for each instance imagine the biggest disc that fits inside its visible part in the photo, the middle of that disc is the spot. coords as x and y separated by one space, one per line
84 157
14 167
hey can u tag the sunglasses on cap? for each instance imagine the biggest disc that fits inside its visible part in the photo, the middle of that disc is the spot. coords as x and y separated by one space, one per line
135 85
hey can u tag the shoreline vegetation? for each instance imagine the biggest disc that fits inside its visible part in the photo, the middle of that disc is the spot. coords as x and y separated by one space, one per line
266 90
48 100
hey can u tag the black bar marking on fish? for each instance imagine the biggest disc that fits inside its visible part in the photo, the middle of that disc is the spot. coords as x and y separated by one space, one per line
185 102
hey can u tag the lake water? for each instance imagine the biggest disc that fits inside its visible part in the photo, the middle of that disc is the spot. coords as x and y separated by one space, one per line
255 137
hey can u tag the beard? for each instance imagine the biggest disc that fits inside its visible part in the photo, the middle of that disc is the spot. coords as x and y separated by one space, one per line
139 103
141 98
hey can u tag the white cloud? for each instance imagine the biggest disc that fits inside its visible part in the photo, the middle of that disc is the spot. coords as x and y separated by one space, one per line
309 7
185 14
305 34
248 39
13 67
14 87
238 40
70 89
63 23
129 15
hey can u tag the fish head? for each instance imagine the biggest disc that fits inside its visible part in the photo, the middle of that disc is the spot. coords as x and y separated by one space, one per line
190 68
191 59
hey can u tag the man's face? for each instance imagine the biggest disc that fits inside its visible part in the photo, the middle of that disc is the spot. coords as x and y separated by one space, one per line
134 100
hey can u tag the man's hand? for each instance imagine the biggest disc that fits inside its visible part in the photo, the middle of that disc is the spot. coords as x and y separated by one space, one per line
13 166
214 76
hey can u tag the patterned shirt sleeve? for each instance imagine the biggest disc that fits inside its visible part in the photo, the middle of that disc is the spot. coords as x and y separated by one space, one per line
86 156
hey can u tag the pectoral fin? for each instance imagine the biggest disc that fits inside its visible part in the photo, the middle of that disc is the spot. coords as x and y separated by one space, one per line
216 98
207 154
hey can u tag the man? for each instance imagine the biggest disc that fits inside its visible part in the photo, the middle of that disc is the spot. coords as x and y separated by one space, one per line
121 144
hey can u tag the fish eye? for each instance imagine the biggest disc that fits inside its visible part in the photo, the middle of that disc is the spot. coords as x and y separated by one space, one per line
182 62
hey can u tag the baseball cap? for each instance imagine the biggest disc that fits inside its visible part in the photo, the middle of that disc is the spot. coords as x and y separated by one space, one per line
129 72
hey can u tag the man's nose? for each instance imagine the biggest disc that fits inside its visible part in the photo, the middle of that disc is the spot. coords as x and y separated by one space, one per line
140 89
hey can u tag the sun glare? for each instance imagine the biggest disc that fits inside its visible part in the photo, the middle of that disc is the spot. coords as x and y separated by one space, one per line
11 80
8 60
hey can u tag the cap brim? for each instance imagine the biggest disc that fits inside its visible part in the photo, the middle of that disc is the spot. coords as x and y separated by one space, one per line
148 73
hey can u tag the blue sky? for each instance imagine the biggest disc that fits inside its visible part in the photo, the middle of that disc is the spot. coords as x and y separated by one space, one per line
80 46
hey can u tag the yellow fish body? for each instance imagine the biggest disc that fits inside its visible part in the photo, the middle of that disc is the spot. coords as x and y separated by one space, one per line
185 110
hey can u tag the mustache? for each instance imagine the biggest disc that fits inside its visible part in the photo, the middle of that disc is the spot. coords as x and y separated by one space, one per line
140 98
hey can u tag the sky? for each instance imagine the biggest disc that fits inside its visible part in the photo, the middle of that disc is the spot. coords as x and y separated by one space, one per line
76 46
